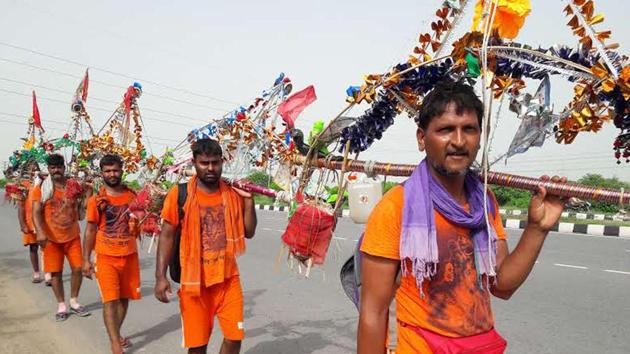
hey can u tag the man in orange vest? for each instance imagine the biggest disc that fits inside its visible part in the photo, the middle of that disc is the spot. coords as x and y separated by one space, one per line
432 230
56 221
216 221
116 262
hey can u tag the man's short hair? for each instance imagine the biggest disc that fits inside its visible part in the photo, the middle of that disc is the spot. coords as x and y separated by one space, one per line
445 93
31 162
8 172
206 147
55 160
111 159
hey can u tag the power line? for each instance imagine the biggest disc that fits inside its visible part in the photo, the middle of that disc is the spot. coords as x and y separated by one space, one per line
116 73
557 156
101 99
100 108
560 160
22 124
109 84
68 123
561 170
531 160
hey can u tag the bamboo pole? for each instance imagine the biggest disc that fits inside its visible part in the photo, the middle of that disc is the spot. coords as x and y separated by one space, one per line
566 190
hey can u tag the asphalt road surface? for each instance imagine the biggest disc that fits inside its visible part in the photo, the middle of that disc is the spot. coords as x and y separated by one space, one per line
577 300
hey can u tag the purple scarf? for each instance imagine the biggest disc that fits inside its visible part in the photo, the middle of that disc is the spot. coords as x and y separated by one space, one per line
422 194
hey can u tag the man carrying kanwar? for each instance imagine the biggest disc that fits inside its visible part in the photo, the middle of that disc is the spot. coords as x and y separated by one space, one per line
432 233
56 221
112 238
205 226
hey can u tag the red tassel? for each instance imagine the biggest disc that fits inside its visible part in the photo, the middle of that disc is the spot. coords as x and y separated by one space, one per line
151 225
73 190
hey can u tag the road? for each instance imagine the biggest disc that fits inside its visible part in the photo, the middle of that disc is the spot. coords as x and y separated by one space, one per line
575 301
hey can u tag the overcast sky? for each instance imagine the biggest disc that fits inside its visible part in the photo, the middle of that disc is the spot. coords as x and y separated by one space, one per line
197 60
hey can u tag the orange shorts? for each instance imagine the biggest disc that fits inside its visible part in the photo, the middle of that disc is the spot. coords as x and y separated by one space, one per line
55 252
118 277
29 239
225 301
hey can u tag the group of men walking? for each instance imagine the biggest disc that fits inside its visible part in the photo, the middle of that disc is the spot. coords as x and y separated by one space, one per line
427 244
211 218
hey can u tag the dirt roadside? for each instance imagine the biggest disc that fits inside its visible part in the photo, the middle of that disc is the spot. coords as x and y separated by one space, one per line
25 327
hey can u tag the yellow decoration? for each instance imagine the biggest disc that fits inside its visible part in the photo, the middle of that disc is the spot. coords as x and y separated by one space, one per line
509 18
599 70
608 85
29 143
596 19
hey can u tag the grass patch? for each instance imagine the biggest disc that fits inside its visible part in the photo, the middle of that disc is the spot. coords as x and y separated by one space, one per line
577 221
265 200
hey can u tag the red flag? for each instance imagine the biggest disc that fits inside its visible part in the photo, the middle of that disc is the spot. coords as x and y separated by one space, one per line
294 105
85 84
36 118
82 90
127 98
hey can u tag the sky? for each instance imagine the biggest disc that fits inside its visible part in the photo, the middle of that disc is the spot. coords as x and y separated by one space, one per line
197 60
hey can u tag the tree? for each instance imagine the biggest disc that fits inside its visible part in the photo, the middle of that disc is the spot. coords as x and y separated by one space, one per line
511 197
517 198
264 180
597 180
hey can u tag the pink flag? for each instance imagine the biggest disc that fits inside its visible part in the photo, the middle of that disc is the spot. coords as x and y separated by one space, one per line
294 105
36 119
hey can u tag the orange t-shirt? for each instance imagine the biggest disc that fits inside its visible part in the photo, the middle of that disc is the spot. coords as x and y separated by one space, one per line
112 237
213 235
61 218
453 305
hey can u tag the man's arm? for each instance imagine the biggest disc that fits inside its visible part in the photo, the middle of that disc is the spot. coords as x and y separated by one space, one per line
249 212
249 217
22 216
513 268
88 190
88 246
38 222
164 255
378 286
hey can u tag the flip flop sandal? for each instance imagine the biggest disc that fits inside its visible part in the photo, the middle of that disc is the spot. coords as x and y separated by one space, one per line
48 283
80 311
36 280
61 316
125 342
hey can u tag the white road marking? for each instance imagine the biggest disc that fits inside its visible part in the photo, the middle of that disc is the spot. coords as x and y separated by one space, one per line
344 239
616 271
569 266
618 238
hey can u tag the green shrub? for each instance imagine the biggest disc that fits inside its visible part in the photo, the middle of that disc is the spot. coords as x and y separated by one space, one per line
135 185
264 180
516 198
597 180
511 197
